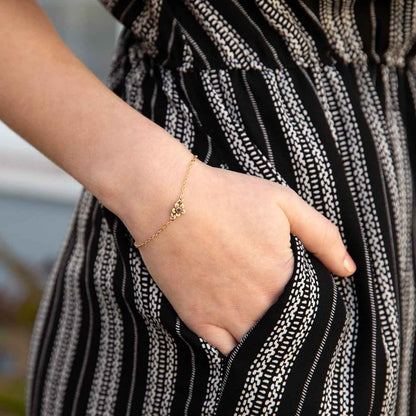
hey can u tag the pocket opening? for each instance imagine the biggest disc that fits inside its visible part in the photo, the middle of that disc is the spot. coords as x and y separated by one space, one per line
274 306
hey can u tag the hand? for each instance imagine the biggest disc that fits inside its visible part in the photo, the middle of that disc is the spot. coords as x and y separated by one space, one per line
232 249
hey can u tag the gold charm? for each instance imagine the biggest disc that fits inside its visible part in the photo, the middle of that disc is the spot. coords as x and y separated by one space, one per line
178 209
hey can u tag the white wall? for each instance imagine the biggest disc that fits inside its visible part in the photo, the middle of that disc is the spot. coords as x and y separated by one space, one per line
24 171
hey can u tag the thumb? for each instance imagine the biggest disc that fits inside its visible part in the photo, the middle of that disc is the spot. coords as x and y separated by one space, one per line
319 235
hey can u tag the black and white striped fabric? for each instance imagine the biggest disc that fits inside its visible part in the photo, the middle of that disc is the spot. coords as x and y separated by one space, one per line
319 96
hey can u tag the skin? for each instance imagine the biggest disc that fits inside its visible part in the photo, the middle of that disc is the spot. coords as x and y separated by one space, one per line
136 169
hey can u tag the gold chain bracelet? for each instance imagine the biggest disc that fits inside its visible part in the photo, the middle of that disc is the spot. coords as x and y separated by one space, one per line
177 210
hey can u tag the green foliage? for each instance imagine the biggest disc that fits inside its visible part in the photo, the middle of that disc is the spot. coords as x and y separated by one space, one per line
16 322
12 397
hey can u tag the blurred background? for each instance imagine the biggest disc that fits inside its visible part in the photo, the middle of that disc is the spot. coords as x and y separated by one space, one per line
37 199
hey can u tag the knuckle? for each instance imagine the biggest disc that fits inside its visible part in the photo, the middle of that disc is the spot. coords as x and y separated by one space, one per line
283 189
291 192
287 195
330 233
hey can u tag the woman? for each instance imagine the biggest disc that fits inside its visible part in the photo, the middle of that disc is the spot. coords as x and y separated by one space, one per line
300 115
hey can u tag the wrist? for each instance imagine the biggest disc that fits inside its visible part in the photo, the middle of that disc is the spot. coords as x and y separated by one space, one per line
142 194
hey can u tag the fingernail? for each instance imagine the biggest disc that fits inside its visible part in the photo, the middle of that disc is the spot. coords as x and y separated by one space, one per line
349 264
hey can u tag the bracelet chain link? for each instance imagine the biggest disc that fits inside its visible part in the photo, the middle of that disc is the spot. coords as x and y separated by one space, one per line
177 210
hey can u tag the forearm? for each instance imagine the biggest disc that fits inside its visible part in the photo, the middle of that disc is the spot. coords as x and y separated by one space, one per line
54 102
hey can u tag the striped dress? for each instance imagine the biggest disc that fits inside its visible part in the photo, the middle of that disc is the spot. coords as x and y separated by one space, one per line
317 95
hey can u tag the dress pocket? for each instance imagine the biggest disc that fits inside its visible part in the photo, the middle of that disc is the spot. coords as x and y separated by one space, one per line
298 299
253 336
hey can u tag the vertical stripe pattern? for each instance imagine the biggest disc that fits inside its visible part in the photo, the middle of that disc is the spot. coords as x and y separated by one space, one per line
317 95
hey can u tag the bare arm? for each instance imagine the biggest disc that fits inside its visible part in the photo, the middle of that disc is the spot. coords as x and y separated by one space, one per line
50 98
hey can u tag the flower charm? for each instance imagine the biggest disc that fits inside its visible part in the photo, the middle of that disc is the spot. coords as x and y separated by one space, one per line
178 209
